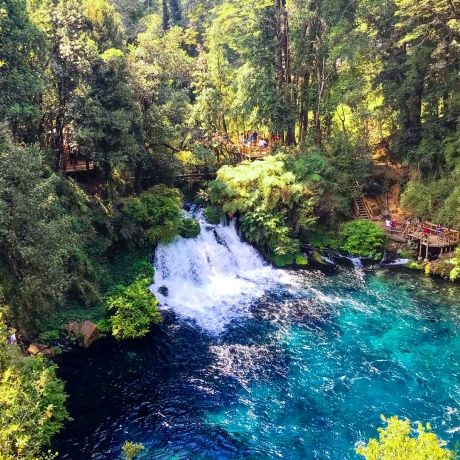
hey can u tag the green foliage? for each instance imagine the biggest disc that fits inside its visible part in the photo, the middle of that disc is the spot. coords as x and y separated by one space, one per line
38 238
157 212
434 200
32 399
455 273
323 239
273 206
213 214
21 65
189 228
131 450
397 443
363 238
134 309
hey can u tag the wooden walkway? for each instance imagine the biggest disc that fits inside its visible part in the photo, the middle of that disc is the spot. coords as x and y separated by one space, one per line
441 243
361 206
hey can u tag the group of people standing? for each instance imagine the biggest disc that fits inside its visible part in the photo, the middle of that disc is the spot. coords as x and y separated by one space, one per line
256 139
391 224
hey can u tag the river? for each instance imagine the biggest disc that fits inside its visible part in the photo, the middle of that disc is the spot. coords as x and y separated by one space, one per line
257 363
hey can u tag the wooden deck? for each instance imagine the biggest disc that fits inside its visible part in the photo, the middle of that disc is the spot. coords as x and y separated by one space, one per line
446 238
253 152
78 166
441 243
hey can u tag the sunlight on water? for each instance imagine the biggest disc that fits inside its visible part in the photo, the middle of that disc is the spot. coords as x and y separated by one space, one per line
299 364
211 279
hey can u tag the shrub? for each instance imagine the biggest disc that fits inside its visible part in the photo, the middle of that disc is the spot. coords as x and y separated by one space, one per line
213 214
32 401
134 309
363 238
158 213
395 442
189 228
131 450
455 272
274 206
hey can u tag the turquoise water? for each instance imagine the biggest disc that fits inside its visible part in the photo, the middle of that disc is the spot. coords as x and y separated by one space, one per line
305 373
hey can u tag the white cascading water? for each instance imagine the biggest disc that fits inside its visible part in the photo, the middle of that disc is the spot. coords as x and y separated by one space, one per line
213 278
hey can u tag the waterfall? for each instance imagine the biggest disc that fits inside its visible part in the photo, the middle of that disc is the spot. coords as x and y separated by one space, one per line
213 278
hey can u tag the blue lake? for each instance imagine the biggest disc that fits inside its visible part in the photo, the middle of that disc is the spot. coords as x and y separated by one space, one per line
303 372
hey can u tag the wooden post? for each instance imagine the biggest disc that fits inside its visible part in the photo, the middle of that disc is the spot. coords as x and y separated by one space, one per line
427 248
420 250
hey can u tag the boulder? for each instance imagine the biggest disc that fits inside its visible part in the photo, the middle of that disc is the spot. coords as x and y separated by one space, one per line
40 349
86 332
89 333
73 328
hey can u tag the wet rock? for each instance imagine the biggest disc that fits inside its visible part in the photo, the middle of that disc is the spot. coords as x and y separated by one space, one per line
86 332
163 291
39 349
89 333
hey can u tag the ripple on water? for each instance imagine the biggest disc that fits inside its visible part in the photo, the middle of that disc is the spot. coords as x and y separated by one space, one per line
304 372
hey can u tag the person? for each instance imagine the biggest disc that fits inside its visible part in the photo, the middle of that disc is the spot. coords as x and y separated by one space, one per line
426 231
263 143
439 230
388 225
393 224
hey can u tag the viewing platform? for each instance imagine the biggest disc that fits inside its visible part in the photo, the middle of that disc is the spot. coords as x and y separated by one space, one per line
428 237
253 152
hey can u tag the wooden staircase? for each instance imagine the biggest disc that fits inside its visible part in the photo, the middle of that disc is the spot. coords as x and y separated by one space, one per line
361 206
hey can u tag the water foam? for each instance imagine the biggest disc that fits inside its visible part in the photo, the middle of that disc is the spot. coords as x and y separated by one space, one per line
213 278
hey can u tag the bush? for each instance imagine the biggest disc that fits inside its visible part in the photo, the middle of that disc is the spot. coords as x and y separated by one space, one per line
134 309
32 401
131 450
274 206
362 238
395 442
213 214
189 228
158 213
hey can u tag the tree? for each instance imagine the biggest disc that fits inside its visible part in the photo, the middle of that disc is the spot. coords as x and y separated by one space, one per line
107 116
21 69
395 442
363 238
32 401
37 236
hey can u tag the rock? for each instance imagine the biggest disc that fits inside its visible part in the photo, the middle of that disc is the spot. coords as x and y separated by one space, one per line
86 332
73 328
89 333
40 349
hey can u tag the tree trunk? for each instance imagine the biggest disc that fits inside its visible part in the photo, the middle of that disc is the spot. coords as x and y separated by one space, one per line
304 107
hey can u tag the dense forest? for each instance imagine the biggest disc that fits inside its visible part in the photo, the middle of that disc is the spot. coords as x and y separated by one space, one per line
145 92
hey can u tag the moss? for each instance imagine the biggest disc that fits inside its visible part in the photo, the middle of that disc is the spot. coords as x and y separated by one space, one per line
415 266
316 256
283 261
287 260
301 260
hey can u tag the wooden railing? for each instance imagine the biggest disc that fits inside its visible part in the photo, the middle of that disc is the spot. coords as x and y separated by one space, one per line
254 151
448 235
364 200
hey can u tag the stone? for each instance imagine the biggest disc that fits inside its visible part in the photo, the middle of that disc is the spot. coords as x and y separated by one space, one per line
73 328
89 333
40 350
